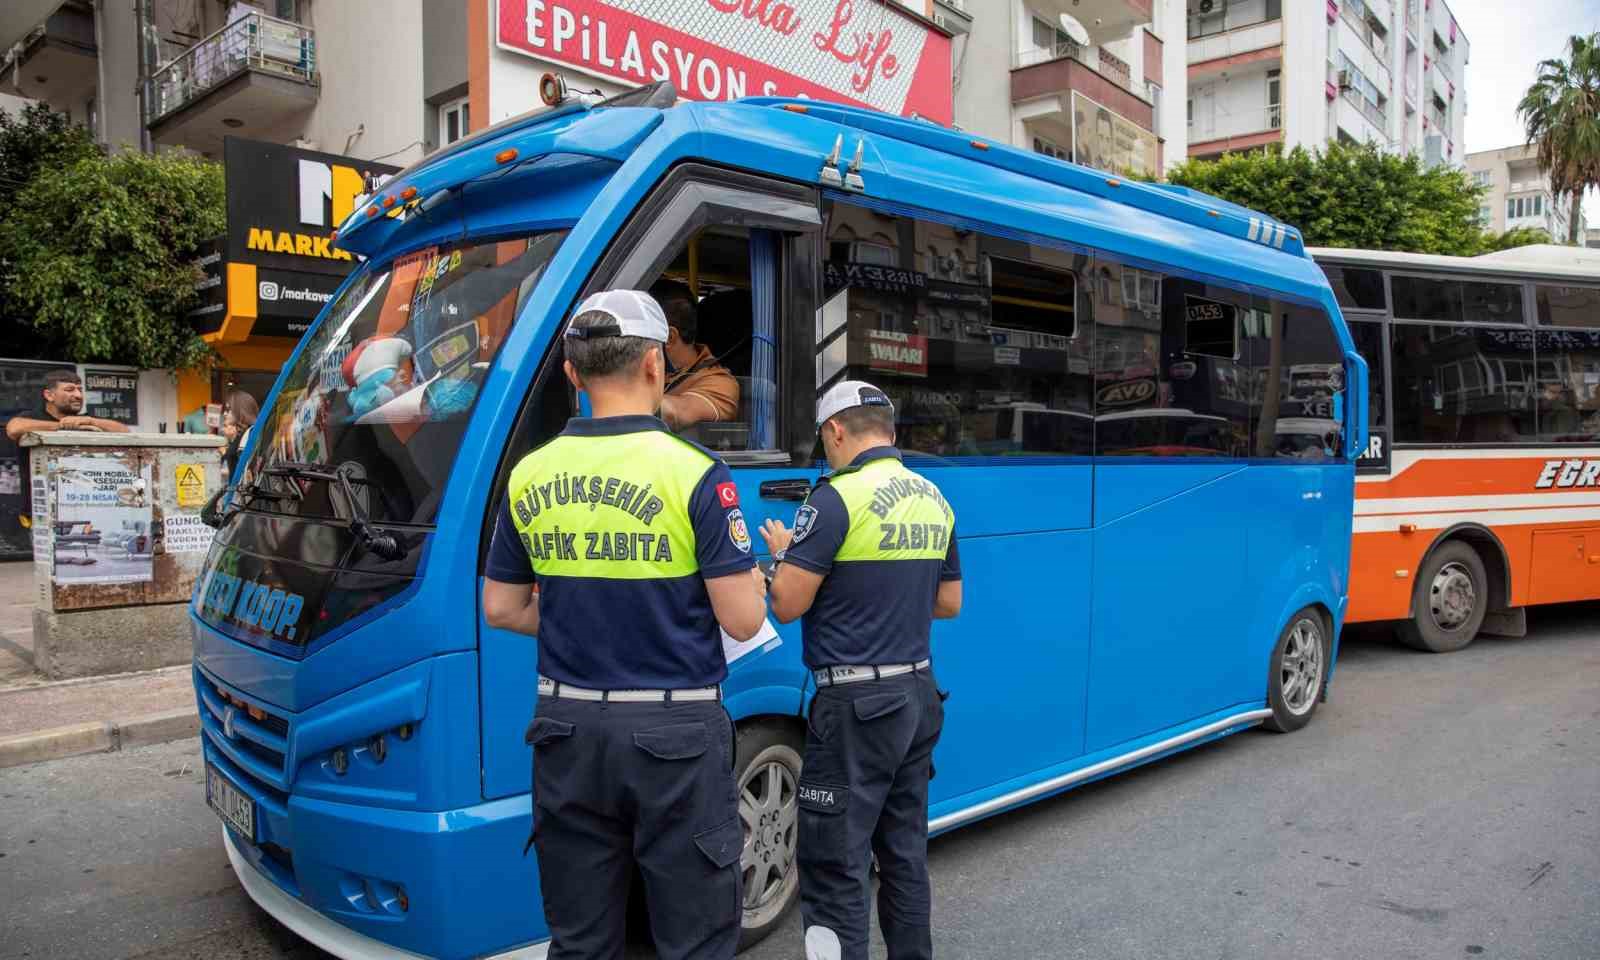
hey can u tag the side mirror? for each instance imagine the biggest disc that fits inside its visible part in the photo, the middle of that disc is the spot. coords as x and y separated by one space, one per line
211 514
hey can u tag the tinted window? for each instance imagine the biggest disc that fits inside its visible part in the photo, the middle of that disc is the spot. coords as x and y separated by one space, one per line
1369 340
1356 288
1462 384
1568 306
1297 404
1456 301
383 388
1568 370
979 340
1167 382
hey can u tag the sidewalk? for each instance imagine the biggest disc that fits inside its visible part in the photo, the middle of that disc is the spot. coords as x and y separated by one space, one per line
44 720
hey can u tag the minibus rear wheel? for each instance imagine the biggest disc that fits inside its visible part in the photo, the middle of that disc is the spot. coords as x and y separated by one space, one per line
1449 600
1299 667
767 770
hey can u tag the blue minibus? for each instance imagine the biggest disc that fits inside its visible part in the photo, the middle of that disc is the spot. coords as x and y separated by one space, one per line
1096 372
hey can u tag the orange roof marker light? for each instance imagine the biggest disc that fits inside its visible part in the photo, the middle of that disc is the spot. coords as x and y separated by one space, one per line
388 201
979 145
372 211
408 193
1113 182
796 107
506 156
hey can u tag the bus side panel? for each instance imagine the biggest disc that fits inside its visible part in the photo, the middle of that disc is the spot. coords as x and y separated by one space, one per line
1383 568
1014 661
1298 552
1168 642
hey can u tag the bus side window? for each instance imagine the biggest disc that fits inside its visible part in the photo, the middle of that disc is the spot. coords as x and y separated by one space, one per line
1170 376
982 342
1298 363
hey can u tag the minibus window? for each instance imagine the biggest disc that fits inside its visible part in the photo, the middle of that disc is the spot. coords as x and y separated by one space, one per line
383 387
1297 408
979 340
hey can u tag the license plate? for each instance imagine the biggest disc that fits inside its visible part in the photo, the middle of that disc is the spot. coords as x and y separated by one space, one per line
230 803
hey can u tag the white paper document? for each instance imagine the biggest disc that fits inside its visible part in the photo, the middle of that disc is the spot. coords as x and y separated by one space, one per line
765 638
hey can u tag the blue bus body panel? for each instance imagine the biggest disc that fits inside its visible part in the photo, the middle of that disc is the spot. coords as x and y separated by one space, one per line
1065 562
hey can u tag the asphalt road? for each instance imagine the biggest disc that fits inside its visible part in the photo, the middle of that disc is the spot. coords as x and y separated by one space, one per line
1438 807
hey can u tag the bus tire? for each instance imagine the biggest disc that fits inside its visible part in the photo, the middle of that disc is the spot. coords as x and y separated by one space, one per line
1299 668
767 772
1449 600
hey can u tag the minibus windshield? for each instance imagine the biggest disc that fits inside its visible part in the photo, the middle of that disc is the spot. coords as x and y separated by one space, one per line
382 389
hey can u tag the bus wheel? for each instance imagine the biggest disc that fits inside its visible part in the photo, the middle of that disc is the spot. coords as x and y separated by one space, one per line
768 770
1299 664
1449 602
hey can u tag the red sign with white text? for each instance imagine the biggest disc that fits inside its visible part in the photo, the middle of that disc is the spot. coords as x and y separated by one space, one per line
863 52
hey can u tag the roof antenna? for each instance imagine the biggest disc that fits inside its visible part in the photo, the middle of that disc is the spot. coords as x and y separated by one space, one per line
852 176
829 175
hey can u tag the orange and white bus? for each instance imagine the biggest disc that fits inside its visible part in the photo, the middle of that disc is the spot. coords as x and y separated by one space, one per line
1479 492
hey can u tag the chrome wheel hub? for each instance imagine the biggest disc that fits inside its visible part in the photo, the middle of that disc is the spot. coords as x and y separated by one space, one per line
1452 597
1301 672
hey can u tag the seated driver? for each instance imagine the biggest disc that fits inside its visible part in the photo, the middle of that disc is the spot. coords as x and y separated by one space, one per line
699 389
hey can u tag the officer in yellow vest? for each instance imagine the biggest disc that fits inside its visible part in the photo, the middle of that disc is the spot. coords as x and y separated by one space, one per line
870 563
622 546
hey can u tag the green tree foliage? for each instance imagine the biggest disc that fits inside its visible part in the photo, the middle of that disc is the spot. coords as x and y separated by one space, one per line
1349 196
1520 237
101 254
1561 113
33 139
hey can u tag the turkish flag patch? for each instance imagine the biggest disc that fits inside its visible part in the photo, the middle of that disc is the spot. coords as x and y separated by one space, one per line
727 495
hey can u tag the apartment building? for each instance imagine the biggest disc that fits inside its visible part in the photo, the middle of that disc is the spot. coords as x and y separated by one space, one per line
1021 78
1304 73
1518 194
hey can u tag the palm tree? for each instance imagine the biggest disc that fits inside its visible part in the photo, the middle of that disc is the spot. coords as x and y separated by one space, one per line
1561 113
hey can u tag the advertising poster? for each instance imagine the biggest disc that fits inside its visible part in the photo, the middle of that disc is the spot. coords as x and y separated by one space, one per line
185 533
102 523
1109 140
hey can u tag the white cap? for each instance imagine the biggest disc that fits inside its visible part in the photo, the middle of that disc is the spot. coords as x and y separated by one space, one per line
625 313
848 395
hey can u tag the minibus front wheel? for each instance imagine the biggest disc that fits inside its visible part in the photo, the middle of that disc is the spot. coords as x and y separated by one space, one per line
767 768
1299 667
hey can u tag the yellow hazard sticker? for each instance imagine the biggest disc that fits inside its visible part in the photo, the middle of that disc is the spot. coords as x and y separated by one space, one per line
191 485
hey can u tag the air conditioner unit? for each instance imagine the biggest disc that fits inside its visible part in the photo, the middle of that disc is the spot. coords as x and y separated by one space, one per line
1213 8
1346 81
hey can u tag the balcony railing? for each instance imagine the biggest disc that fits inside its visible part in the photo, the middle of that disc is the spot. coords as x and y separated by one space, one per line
1111 67
1375 114
1210 26
1359 17
252 42
1236 123
1436 117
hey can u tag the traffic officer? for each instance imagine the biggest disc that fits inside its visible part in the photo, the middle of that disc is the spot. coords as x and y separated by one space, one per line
870 563
622 547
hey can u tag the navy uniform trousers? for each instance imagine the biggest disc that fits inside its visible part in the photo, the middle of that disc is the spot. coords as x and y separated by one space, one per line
864 792
622 784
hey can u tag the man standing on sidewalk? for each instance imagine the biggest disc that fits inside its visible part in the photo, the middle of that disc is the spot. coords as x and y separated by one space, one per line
870 563
621 547
60 408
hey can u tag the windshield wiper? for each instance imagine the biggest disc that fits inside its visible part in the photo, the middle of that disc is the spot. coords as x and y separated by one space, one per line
380 543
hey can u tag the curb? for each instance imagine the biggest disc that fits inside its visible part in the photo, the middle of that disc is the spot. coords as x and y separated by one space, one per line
103 736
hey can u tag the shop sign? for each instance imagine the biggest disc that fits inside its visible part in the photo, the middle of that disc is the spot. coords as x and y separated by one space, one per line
867 52
894 352
111 394
288 300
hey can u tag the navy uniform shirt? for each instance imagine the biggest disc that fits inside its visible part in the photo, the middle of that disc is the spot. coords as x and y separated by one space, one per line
620 523
883 538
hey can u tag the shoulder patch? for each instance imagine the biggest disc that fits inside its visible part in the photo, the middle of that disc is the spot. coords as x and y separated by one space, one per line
738 530
805 519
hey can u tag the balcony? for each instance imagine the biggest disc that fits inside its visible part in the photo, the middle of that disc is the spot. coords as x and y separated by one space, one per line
1368 27
1105 20
57 61
253 77
1116 123
1031 65
1252 42
1220 131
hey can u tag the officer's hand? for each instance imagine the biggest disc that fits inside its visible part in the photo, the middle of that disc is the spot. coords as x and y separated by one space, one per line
761 580
777 535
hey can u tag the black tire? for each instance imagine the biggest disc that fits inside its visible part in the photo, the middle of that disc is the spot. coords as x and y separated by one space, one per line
1299 670
1449 600
775 747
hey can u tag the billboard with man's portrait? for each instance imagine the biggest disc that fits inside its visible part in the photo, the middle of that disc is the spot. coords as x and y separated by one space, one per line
1109 141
